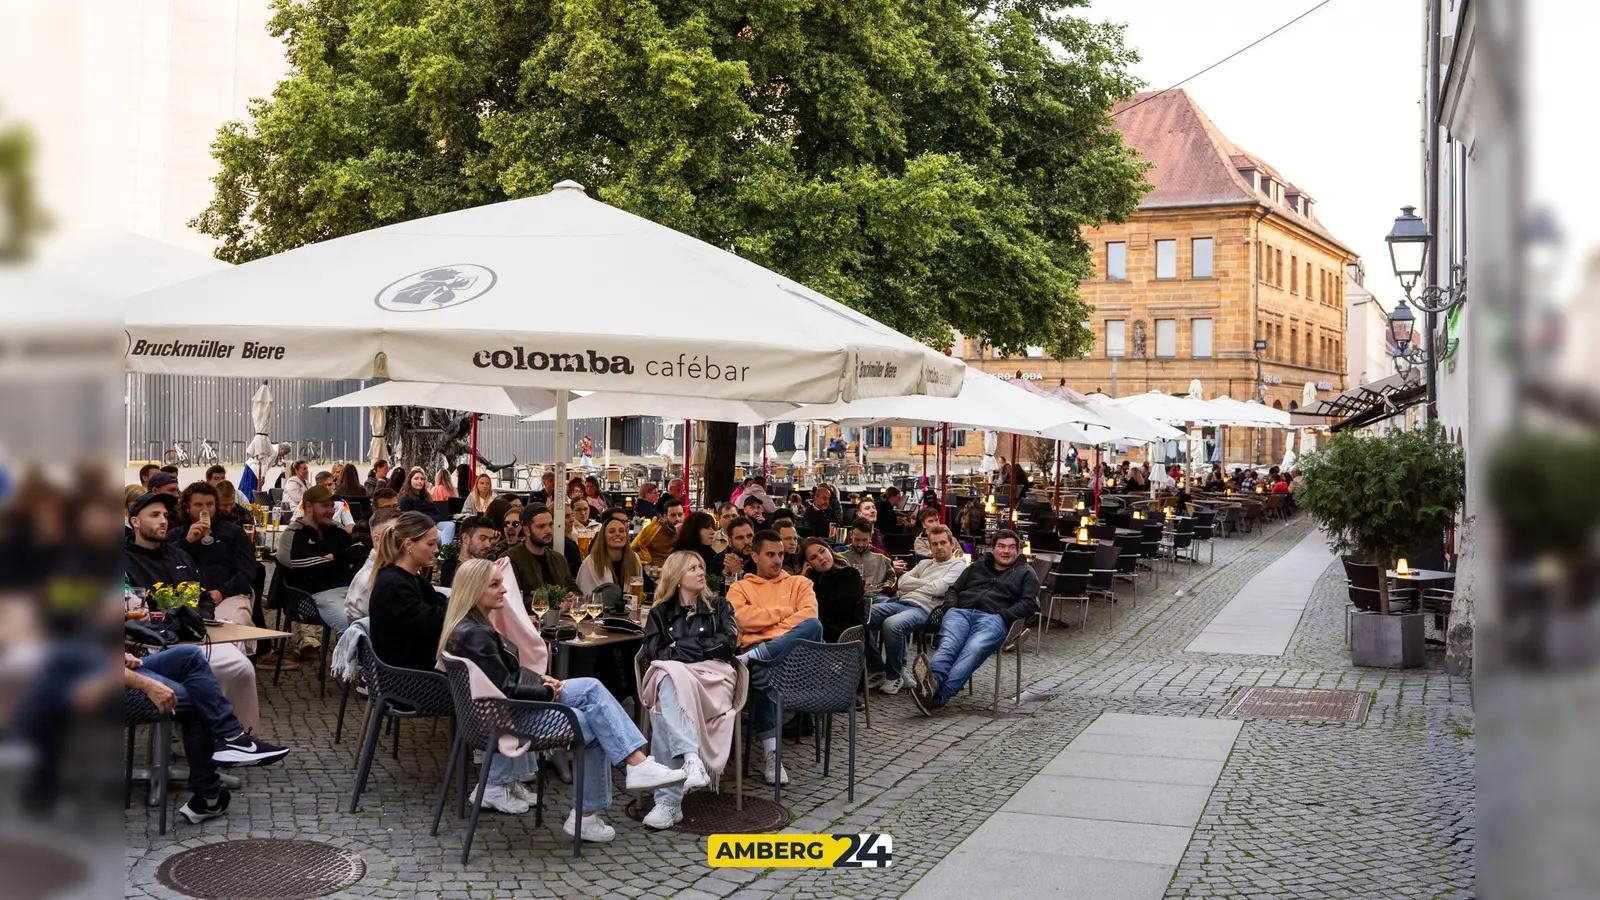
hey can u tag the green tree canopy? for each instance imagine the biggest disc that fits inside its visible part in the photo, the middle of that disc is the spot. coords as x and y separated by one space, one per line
928 162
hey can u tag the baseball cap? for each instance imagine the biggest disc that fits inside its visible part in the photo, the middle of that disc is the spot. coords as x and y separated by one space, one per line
167 500
160 479
319 494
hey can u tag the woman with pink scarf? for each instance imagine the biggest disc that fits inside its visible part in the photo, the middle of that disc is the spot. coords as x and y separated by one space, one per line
691 639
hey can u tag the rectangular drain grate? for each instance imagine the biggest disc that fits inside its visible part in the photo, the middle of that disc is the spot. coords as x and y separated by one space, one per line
1298 705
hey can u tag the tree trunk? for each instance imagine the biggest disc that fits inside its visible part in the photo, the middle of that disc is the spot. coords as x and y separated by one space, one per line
722 444
1383 586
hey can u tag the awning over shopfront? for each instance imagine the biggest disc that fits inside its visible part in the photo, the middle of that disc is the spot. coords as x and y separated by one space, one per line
1360 406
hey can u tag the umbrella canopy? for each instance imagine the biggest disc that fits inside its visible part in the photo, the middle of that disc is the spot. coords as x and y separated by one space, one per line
1249 415
555 291
125 264
478 398
985 402
262 408
1169 409
603 404
378 417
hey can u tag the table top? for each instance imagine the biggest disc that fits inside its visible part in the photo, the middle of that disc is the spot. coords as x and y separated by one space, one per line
1424 575
229 633
605 639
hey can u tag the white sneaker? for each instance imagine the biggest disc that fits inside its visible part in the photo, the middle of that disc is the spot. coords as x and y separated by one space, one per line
874 679
501 798
524 793
663 816
594 828
772 759
892 686
649 775
695 774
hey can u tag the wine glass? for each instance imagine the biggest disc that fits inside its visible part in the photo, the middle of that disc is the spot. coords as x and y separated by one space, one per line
577 613
594 610
541 606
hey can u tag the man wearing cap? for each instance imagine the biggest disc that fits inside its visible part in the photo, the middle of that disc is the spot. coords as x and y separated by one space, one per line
319 557
148 559
165 483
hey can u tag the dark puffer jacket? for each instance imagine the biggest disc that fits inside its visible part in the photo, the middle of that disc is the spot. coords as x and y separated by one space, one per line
1012 593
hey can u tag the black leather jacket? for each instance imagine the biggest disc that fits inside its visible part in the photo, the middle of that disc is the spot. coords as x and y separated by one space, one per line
674 633
475 639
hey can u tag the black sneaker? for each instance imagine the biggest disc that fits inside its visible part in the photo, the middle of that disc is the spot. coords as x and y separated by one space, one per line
197 810
927 701
246 750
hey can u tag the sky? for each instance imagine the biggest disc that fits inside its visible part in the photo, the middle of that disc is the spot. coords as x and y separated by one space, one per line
1332 101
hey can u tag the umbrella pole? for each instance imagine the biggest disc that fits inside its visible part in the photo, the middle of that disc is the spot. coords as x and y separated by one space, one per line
558 507
1056 503
473 462
944 472
608 442
688 458
925 436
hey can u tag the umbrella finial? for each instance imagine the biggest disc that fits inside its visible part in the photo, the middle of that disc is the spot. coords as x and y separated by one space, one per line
567 184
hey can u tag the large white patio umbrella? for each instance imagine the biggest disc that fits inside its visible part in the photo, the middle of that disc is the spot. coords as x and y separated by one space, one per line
478 398
991 444
553 291
1248 414
260 448
603 404
1170 409
802 446
984 402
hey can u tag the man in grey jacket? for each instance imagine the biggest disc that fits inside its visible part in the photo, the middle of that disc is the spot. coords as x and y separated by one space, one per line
877 572
922 590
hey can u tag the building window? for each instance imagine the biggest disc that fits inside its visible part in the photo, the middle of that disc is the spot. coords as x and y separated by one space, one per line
1294 274
1309 293
1166 338
1202 258
1278 266
1117 261
1309 360
1166 259
1116 337
1294 345
1034 352
1200 338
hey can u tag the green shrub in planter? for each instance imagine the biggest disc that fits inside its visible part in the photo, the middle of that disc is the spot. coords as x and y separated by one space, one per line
1377 497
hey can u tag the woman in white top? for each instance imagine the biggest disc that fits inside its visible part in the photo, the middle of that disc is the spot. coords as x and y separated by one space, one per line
610 559
482 495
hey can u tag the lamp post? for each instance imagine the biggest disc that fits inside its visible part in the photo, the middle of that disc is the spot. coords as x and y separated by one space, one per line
1410 245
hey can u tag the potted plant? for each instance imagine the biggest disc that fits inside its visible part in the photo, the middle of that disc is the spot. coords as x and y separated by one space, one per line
449 559
1378 498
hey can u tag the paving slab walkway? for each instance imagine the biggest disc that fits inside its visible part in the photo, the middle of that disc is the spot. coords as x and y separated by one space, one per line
1263 615
1107 819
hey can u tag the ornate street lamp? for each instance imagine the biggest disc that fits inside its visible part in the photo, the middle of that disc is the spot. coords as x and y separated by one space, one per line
1410 244
1402 327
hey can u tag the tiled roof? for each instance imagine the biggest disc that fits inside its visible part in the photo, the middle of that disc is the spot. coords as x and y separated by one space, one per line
1195 163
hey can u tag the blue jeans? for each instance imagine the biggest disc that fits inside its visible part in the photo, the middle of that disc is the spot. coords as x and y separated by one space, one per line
763 714
609 734
895 619
671 736
45 715
967 638
330 605
511 769
202 710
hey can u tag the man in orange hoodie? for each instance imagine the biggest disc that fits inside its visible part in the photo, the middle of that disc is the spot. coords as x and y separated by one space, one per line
774 609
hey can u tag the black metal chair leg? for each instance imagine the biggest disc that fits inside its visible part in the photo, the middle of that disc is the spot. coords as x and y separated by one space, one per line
538 808
127 781
322 663
477 799
777 756
344 701
444 783
461 778
163 763
850 793
827 742
277 659
395 733
369 746
577 801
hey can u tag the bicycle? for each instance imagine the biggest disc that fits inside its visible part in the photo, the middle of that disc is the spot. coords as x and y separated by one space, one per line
313 450
208 452
179 455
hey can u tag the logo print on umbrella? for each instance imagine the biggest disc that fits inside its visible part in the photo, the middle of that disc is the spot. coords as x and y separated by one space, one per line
440 287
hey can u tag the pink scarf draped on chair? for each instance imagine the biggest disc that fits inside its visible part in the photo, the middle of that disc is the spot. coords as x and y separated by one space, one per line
484 689
705 693
512 621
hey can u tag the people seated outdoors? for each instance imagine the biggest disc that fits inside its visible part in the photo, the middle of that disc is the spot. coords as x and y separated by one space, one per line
575 488
443 486
690 640
145 471
737 557
214 473
793 560
467 630
221 551
697 535
647 506
755 511
406 612
977 612
796 505
926 516
348 484
415 497
477 502
655 540
893 619
592 493
610 559
726 513
836 448
228 505
867 511
583 523
738 491
758 489
675 489
377 477
532 562
838 588
774 609
163 482
179 680
397 479
888 508
508 522
296 485
341 510
877 570
357 600
819 518
320 558
149 558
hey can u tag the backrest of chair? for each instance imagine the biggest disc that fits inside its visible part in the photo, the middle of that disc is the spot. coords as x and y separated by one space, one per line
853 633
815 677
1069 584
422 693
1361 575
1075 562
1041 569
473 720
1014 635
137 708
898 544
1046 540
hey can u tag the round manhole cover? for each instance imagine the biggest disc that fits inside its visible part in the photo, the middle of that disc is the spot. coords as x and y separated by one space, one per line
262 870
706 813
34 871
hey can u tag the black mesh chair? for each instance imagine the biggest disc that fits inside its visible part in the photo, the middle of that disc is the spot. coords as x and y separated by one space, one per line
741 693
1150 535
898 546
819 679
1179 542
1103 579
1069 583
480 725
138 710
295 606
1205 528
394 694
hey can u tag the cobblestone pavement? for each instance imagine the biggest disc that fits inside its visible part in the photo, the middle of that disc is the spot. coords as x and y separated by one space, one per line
1379 809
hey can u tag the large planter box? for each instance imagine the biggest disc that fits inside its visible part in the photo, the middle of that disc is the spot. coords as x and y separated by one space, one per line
1387 642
